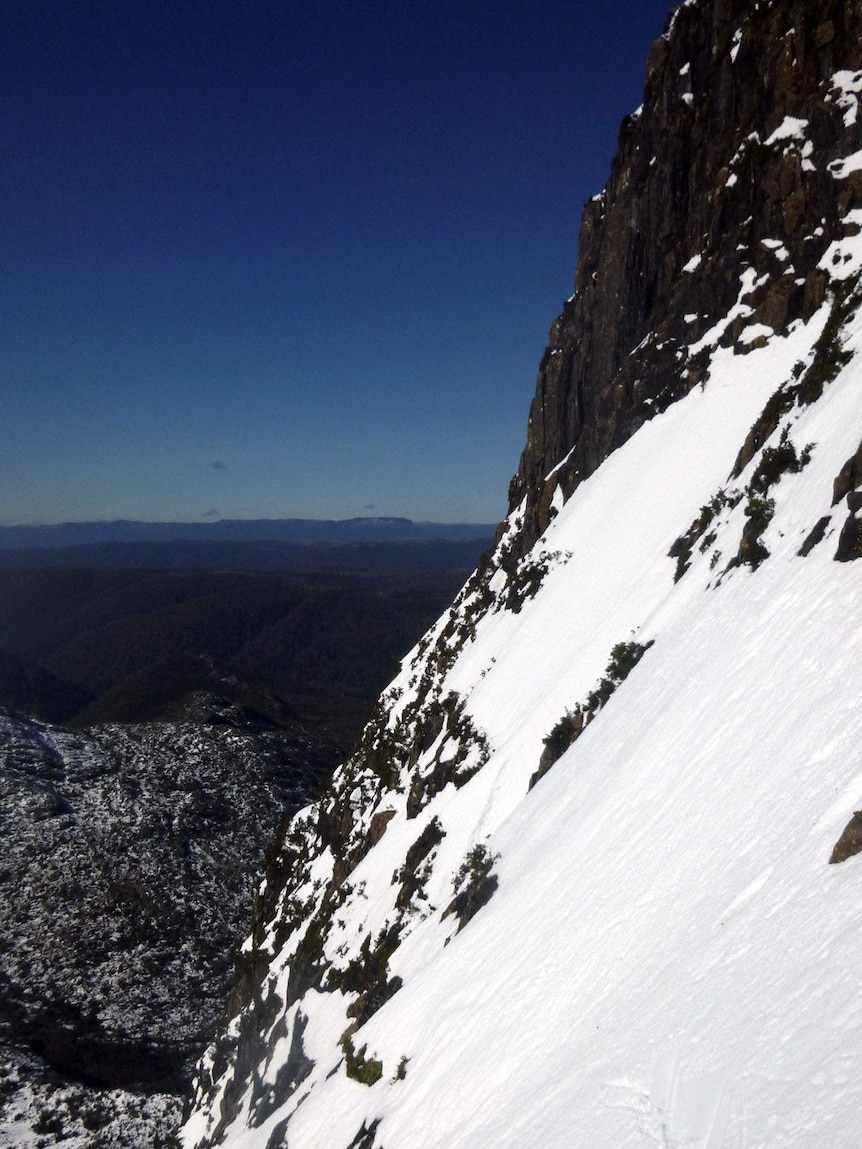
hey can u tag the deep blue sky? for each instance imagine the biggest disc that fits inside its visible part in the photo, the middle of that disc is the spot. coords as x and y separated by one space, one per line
264 258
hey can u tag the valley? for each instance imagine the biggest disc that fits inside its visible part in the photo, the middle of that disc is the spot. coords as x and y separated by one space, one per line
157 729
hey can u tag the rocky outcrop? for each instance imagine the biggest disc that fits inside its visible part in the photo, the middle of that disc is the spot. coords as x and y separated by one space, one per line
733 163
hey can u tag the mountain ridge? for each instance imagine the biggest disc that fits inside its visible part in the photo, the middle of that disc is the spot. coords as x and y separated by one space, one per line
37 537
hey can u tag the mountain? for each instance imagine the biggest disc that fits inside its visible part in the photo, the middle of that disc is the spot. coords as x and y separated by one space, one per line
131 852
308 652
372 556
332 531
591 875
28 688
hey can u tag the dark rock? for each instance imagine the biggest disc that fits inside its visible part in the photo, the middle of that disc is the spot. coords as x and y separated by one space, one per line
598 382
290 1075
364 1139
850 842
475 886
849 478
815 536
412 878
850 540
564 734
378 825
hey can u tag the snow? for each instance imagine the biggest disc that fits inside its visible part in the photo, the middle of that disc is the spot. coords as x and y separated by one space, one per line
843 257
674 962
672 19
842 168
790 128
668 958
847 85
749 282
685 1029
737 40
755 331
777 248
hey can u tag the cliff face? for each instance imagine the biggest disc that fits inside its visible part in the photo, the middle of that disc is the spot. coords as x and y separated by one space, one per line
573 885
717 163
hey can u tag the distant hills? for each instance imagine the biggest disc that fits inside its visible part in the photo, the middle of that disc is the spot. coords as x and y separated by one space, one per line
359 530
300 545
302 651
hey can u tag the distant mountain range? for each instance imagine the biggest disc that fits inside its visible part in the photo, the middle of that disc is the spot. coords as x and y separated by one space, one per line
301 545
360 530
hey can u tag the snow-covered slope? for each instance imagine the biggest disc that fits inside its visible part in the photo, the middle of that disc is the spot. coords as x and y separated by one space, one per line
574 886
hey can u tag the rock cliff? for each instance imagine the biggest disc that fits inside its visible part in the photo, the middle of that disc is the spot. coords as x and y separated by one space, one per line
573 887
716 165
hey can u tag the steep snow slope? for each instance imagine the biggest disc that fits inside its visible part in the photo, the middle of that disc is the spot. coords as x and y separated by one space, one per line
646 945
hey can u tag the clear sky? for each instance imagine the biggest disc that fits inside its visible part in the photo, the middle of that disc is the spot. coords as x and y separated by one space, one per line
277 258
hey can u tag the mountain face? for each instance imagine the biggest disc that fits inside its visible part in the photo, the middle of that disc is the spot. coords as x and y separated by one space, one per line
591 874
716 165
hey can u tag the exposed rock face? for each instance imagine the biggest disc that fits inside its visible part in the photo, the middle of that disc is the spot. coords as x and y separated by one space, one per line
737 146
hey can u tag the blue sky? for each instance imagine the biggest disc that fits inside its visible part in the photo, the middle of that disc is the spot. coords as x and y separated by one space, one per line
277 259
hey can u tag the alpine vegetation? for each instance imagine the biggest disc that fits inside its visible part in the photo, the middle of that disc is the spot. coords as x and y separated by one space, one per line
649 944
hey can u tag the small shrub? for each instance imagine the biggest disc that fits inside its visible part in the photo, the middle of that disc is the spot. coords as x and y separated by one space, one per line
682 547
474 885
624 658
526 578
778 461
365 1070
48 1122
413 874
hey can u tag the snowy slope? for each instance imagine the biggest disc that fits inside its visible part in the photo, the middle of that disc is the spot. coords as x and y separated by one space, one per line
648 946
668 955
